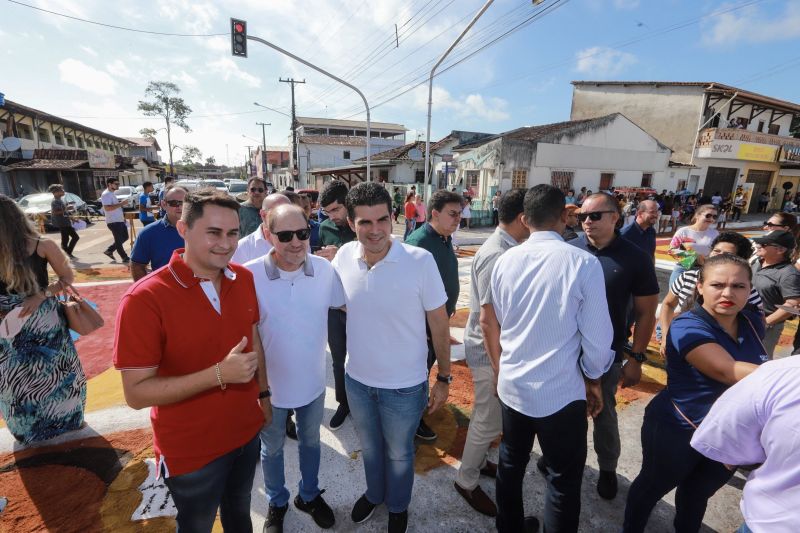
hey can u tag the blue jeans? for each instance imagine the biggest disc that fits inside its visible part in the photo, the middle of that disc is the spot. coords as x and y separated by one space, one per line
224 483
386 421
677 270
309 419
410 226
744 529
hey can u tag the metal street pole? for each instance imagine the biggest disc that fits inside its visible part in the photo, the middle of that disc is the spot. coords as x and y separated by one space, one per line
326 73
430 93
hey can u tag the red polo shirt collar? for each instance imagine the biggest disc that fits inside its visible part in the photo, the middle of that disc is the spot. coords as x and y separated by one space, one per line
185 276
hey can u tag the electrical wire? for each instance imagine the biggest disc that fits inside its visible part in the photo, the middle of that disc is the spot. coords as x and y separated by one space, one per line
123 28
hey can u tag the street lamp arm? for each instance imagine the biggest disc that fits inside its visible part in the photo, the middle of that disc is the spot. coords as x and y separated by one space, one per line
326 73
430 91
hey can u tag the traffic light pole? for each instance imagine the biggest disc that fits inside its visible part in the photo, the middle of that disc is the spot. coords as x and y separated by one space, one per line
336 78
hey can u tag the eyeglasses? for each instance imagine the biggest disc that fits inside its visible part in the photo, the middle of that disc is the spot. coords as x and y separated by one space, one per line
594 216
174 203
257 189
709 216
286 236
771 225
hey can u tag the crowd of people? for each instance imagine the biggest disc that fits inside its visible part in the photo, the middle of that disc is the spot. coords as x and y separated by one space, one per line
563 304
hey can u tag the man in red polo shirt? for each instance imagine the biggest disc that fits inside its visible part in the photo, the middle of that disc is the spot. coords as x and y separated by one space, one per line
187 345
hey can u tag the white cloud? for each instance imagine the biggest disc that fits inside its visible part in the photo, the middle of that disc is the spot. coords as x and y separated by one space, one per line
196 17
470 107
602 61
227 69
89 50
183 78
119 69
626 4
87 78
751 26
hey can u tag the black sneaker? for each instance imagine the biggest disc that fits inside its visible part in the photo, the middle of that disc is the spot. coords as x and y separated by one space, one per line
398 522
291 428
338 418
318 509
607 484
424 432
531 524
362 510
126 260
109 254
274 523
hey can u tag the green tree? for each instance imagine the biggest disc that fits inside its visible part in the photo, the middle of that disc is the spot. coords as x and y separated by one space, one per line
164 102
191 154
211 161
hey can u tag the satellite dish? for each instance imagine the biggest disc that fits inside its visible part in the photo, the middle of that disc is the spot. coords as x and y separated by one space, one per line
10 144
415 154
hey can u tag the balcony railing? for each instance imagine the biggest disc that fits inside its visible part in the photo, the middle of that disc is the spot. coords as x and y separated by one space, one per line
709 135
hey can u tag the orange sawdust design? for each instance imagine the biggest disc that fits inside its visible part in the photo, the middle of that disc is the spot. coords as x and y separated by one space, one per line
87 275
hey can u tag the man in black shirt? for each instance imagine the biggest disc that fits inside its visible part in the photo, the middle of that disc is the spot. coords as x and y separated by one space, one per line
60 219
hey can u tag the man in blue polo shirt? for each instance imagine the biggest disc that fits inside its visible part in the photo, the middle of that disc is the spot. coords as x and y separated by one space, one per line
629 274
156 242
145 205
641 231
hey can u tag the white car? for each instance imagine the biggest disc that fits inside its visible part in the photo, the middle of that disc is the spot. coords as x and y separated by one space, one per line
217 184
126 192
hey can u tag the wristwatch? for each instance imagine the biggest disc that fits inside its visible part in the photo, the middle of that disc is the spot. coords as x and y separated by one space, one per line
264 394
444 379
639 357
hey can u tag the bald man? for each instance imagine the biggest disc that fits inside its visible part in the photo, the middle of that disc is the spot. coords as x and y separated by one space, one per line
257 244
642 231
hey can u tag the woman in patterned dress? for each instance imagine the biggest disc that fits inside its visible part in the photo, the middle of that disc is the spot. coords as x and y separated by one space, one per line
42 384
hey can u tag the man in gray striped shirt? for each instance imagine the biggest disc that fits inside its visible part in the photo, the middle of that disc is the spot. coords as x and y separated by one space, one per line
485 422
550 336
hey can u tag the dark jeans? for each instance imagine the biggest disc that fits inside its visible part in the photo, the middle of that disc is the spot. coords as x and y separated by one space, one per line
120 232
69 238
562 437
337 342
737 213
495 217
606 426
224 483
668 461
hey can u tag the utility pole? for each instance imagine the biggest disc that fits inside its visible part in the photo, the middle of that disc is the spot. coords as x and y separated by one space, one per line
295 154
263 147
248 146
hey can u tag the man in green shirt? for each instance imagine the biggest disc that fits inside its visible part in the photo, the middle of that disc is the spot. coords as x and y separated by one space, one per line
250 210
333 233
397 199
436 237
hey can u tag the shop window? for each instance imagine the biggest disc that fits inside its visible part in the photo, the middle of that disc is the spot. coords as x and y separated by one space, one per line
562 179
346 154
774 129
647 179
71 141
44 135
58 139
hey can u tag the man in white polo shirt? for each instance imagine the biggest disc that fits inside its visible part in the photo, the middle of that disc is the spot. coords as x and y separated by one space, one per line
390 289
295 290
257 244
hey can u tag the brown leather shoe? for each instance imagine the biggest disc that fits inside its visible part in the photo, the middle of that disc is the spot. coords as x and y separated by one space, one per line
489 469
478 500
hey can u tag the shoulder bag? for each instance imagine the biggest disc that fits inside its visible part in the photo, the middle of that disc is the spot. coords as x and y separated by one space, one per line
82 318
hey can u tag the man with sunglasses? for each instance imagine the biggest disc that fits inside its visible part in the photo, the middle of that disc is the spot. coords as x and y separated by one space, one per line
334 232
250 212
629 273
295 290
257 244
156 242
436 236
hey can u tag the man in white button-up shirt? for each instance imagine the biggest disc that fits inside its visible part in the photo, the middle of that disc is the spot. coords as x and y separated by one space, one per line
552 322
390 290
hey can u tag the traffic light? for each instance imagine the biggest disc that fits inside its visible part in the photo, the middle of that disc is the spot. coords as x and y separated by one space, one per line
239 37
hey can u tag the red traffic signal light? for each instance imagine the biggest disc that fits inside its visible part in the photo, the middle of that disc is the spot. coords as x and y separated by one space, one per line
239 38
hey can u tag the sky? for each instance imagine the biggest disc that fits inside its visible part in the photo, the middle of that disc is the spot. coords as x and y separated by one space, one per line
96 75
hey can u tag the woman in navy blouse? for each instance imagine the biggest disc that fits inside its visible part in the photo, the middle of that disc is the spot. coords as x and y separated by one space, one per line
708 349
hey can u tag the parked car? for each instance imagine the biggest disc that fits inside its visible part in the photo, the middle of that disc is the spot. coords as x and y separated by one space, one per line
217 184
37 204
126 192
238 189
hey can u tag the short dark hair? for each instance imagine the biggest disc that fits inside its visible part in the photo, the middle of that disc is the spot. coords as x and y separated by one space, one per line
112 179
744 248
333 191
251 180
293 197
609 201
147 184
367 194
195 202
543 205
55 187
169 179
512 203
441 198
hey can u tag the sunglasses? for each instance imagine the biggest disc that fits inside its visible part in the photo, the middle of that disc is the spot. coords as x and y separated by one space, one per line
257 189
286 236
710 217
174 203
771 225
594 216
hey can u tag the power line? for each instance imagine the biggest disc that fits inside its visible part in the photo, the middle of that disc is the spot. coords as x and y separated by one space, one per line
136 30
150 118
